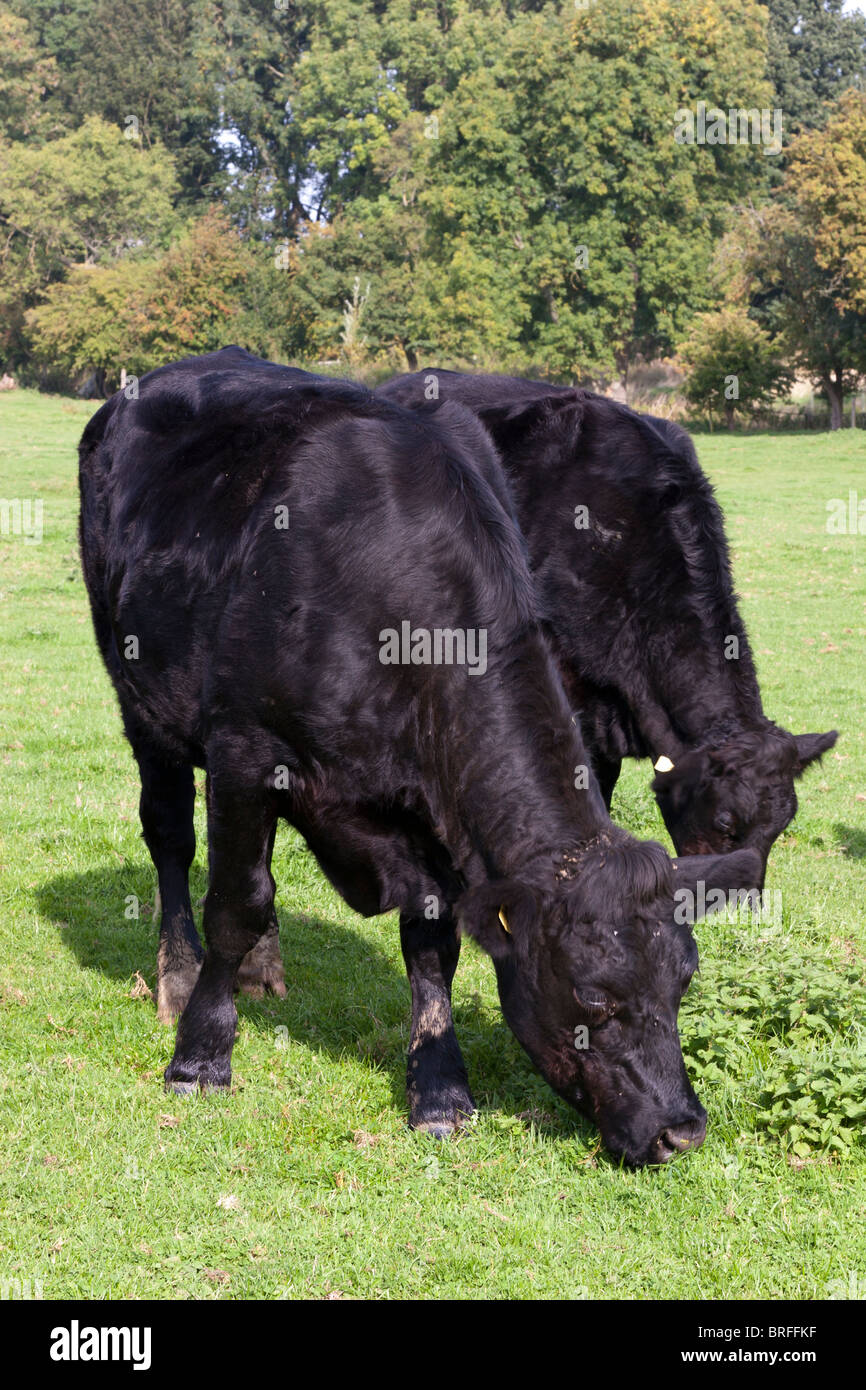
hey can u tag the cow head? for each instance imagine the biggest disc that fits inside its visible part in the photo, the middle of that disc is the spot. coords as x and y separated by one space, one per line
737 795
591 973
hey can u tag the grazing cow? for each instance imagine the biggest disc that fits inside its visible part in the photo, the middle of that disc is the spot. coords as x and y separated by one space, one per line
270 556
628 552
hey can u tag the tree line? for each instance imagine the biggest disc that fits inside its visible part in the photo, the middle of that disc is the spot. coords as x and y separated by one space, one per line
561 189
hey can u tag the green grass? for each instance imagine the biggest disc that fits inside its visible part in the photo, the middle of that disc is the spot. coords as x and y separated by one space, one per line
304 1181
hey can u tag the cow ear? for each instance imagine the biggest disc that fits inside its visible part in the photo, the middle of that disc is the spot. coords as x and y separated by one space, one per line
740 872
511 423
499 915
812 746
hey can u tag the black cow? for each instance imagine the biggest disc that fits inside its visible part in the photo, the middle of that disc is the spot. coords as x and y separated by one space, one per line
628 552
253 540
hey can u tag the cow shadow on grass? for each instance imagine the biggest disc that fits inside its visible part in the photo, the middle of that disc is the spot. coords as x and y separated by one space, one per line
851 840
346 995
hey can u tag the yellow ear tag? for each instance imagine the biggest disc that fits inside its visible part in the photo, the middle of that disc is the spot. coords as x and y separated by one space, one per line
664 764
503 920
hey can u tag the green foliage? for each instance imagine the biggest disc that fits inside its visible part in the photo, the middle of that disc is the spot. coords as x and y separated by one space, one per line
88 196
84 322
80 199
732 364
528 202
826 184
815 53
802 1024
504 176
245 54
815 1103
26 77
802 258
140 69
140 313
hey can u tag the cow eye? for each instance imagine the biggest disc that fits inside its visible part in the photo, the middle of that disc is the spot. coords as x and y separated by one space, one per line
594 1004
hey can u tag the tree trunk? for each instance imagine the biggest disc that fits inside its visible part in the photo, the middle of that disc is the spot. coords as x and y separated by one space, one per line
833 388
729 414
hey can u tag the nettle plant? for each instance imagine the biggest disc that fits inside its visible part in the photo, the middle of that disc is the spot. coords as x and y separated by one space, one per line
793 1031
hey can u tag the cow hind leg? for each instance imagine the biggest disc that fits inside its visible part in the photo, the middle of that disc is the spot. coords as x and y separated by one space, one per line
436 1082
166 811
238 911
261 970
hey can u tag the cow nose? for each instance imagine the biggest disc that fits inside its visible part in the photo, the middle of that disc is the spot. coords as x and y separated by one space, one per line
677 1139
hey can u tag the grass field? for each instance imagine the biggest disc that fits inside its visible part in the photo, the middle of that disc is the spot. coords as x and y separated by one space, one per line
304 1181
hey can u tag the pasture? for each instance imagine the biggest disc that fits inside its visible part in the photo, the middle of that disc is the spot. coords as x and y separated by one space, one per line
304 1181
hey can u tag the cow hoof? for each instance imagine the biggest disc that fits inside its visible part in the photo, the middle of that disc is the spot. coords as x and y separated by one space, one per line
261 970
190 1088
441 1122
437 1129
185 1080
176 975
210 1079
181 1088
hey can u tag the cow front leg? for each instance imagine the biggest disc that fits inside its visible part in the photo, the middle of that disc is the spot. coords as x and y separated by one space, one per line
437 1086
238 910
607 771
166 811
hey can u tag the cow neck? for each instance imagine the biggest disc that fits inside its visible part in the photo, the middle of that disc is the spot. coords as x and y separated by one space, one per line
711 694
695 729
513 782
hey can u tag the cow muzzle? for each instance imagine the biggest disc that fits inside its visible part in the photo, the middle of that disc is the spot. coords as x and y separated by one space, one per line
678 1139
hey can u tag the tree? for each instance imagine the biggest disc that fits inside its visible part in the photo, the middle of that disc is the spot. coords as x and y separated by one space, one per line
517 194
805 255
139 313
195 293
798 300
79 199
84 323
26 77
558 167
826 181
138 68
86 196
815 53
732 364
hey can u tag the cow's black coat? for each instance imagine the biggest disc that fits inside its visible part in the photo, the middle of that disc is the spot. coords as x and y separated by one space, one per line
637 594
252 648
